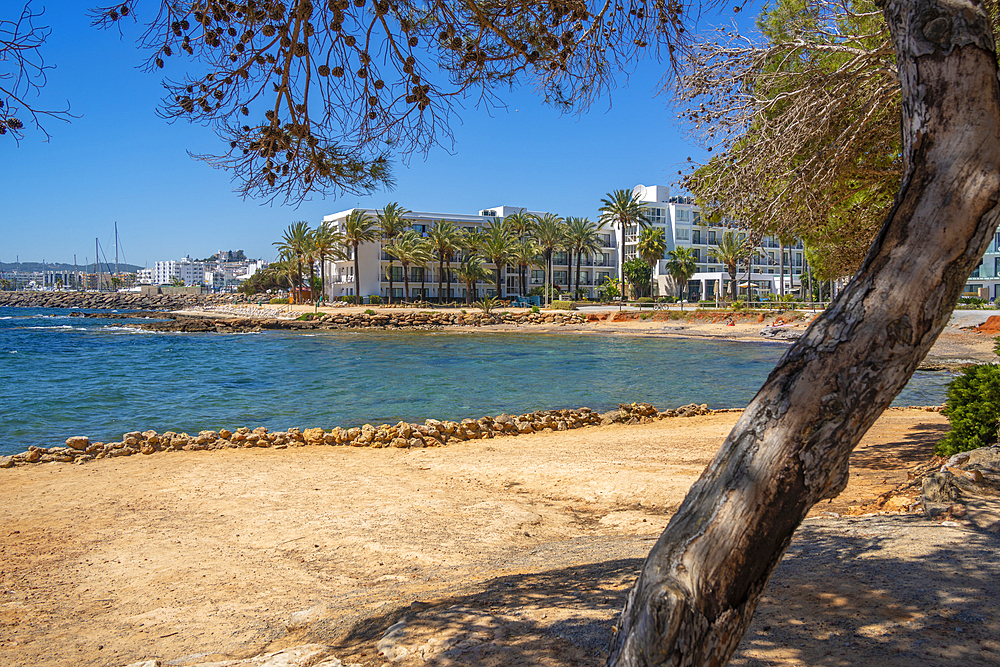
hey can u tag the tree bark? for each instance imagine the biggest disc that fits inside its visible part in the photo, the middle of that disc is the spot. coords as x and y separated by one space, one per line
699 586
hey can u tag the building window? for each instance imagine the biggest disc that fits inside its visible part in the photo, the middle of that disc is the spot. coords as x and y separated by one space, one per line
711 237
683 215
696 236
683 233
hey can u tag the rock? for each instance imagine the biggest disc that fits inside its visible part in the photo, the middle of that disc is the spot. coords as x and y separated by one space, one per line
401 443
314 436
780 333
78 442
32 455
6 461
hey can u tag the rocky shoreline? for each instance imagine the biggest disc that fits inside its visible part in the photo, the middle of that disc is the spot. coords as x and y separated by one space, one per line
114 300
432 433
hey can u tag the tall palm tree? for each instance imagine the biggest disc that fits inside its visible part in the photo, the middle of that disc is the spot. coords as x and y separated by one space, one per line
624 209
526 253
410 249
681 265
329 244
444 238
309 255
359 227
293 244
730 252
424 254
470 271
521 225
651 247
496 245
583 237
548 232
391 223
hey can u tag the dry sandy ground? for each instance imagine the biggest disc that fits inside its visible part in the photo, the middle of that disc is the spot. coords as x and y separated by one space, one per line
496 552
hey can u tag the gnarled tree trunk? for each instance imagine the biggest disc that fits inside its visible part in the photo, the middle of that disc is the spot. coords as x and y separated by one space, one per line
700 584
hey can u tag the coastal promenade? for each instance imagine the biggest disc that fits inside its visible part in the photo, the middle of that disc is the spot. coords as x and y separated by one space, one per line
504 552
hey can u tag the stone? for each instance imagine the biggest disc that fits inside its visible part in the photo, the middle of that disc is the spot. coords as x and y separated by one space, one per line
314 436
401 443
78 442
32 455
6 461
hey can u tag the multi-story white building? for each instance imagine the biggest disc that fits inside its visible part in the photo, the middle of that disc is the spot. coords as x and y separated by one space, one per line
374 262
145 276
188 270
985 280
683 226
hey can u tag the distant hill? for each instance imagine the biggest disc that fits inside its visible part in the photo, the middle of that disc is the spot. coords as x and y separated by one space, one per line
59 266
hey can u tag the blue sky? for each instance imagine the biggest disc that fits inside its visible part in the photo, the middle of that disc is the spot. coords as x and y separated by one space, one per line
119 162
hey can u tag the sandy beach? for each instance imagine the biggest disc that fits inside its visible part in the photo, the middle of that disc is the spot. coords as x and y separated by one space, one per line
498 552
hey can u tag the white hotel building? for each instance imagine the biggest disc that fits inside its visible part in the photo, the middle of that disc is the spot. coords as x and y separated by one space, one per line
374 262
683 226
678 217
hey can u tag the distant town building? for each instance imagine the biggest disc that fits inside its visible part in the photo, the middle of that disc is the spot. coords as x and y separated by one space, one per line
192 273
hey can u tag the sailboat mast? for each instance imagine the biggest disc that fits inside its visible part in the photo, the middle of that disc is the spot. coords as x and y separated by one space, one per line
97 262
116 247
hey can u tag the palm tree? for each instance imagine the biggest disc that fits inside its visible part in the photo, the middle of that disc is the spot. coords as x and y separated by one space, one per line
624 209
730 252
423 255
293 244
359 228
444 238
521 225
329 244
651 247
310 256
525 253
583 237
392 222
549 232
409 248
471 271
496 244
681 266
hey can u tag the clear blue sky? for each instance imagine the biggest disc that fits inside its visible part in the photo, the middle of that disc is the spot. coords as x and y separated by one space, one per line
119 162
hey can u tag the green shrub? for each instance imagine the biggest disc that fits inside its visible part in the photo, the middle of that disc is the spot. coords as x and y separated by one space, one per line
971 303
645 299
973 408
369 311
278 300
668 299
375 300
536 309
562 305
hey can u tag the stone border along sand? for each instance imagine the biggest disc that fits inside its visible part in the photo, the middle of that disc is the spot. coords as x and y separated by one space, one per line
432 433
439 318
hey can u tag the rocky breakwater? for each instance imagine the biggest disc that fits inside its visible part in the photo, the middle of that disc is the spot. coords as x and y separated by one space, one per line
374 320
113 300
431 433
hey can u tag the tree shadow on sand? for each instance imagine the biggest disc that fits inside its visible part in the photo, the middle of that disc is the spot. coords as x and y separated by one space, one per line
888 590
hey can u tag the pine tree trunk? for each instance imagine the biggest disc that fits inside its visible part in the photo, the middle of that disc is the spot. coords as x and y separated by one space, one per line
700 584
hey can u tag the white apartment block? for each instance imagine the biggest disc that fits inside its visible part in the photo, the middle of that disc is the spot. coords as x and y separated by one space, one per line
683 226
145 276
191 272
374 262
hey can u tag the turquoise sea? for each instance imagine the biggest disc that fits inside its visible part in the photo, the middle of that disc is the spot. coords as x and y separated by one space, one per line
63 376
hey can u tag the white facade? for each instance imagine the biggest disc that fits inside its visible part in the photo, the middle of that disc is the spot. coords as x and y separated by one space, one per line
145 276
374 262
683 226
191 272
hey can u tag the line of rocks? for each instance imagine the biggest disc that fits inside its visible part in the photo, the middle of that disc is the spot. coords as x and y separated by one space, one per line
114 300
432 433
405 320
338 321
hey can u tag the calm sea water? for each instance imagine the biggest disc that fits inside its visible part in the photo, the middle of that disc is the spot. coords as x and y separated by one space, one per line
63 376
